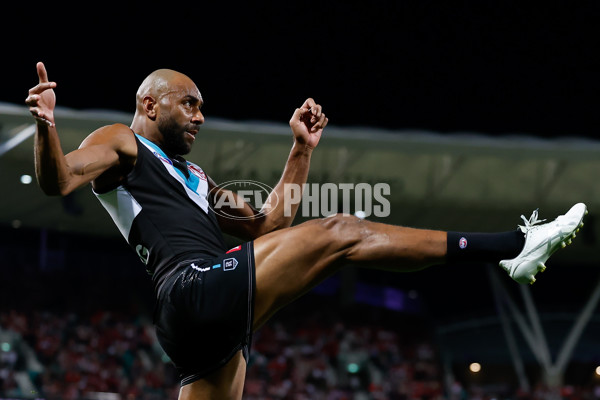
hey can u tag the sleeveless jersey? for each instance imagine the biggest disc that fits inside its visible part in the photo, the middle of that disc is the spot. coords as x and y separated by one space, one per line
162 210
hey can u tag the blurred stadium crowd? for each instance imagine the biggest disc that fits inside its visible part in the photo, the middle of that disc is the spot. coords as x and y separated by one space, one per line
76 357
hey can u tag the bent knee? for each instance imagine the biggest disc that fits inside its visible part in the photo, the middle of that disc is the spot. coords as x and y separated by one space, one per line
344 228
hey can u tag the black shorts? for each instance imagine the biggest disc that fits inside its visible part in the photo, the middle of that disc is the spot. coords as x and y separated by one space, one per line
204 312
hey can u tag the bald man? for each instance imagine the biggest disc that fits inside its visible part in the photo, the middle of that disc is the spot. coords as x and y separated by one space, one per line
210 299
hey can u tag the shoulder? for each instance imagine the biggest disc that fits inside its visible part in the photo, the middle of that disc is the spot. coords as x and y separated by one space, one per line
118 137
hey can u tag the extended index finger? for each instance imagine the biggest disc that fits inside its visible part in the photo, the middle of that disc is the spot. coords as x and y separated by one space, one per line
41 71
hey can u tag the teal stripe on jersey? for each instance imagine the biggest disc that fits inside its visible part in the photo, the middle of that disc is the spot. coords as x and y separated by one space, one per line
191 181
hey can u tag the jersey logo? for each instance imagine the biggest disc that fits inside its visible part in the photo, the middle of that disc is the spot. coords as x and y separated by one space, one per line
236 248
462 243
229 264
197 171
164 159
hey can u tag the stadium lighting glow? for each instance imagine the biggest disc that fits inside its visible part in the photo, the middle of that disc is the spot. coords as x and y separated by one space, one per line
475 367
352 368
598 370
26 179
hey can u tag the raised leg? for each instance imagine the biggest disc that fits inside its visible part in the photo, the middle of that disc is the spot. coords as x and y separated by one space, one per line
291 261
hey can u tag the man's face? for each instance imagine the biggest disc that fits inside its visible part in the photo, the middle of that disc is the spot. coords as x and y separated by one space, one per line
174 135
179 120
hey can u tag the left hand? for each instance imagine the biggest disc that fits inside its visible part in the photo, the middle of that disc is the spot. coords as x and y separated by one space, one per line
308 123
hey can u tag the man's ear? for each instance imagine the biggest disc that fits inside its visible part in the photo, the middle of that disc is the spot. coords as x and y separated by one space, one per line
150 106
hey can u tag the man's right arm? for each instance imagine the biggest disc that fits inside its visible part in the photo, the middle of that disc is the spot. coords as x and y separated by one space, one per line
60 174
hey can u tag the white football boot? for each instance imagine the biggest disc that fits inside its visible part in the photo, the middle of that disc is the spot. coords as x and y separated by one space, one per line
541 241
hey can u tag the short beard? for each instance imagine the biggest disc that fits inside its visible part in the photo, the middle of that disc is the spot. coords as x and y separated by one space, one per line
173 135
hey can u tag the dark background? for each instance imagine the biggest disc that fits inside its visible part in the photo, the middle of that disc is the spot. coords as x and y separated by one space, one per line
481 66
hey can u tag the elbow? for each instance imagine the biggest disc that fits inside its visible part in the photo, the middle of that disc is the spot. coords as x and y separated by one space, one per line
54 189
272 226
254 231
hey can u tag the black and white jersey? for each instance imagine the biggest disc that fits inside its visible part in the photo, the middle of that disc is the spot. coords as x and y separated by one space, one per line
163 211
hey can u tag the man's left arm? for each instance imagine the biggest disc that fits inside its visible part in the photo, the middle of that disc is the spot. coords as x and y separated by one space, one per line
307 124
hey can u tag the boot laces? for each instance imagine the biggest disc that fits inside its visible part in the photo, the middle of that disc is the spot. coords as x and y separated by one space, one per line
533 220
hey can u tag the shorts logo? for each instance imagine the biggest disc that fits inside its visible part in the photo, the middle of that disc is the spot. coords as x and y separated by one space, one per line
236 248
462 243
197 268
229 264
142 253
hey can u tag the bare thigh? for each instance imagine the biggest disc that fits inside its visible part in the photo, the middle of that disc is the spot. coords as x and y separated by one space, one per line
291 261
227 383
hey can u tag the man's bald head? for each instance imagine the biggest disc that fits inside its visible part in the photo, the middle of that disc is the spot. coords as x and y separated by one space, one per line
161 82
168 110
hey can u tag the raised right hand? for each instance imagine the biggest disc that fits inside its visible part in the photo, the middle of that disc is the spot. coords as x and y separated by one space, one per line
42 99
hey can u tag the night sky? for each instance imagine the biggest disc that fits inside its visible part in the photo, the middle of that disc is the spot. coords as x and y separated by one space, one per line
481 66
